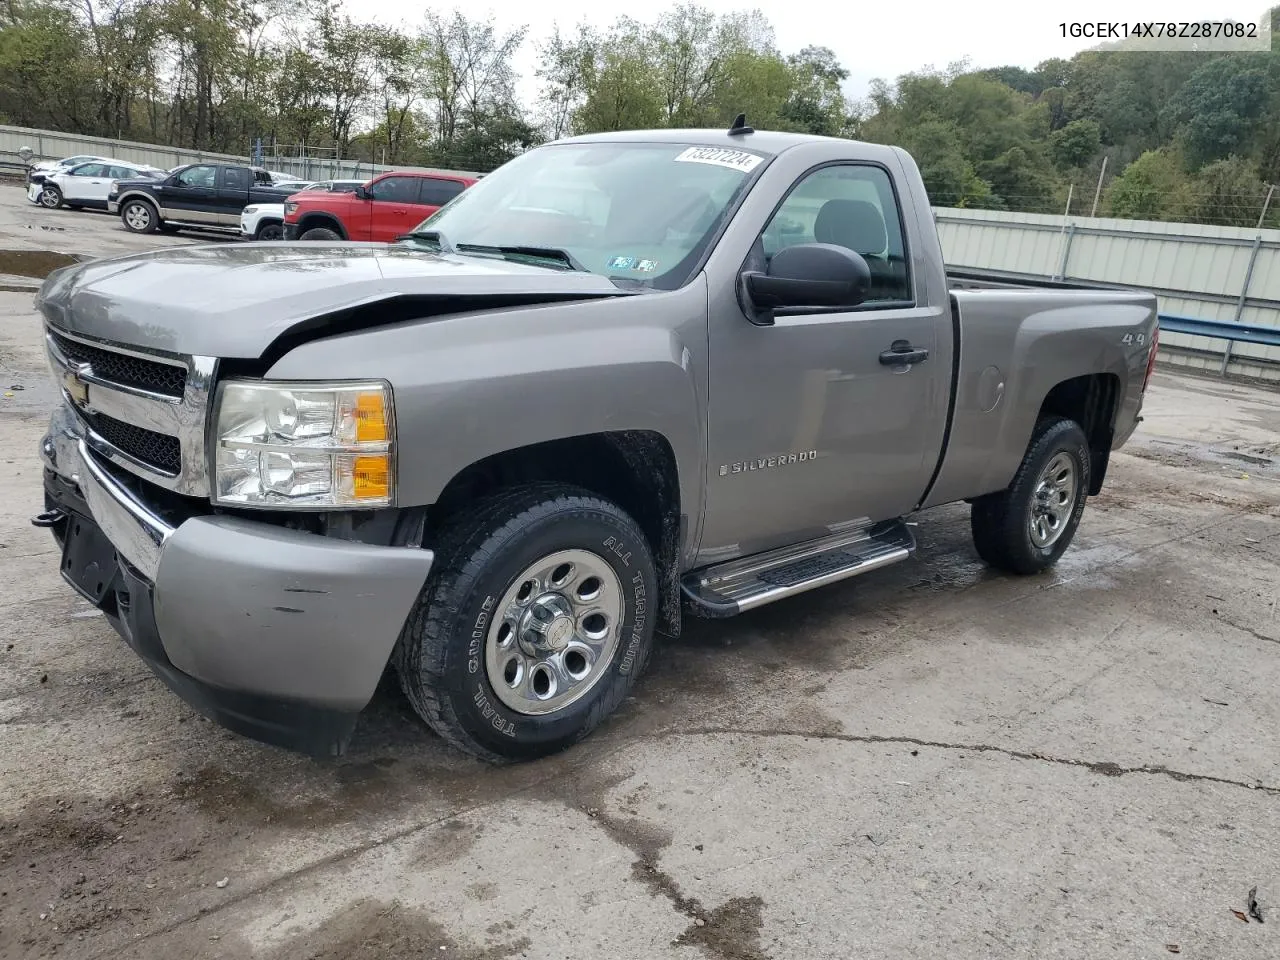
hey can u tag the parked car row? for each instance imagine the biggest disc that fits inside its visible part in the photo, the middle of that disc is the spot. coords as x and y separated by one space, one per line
255 203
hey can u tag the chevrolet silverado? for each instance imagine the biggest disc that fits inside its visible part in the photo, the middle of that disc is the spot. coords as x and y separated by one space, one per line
624 378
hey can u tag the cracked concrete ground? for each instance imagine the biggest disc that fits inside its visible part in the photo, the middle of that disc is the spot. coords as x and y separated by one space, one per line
929 761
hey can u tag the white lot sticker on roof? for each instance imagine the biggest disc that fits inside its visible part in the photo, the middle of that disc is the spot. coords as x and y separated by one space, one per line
733 159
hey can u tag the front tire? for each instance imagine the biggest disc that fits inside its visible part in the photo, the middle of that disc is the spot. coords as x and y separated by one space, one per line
51 197
534 625
138 216
1025 528
270 231
320 233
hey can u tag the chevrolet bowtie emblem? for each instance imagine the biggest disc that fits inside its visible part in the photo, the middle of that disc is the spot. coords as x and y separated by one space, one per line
75 386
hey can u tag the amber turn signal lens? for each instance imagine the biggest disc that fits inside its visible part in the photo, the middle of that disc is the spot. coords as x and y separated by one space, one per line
371 418
371 477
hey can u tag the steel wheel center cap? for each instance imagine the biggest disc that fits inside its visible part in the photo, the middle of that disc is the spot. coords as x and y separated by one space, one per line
547 625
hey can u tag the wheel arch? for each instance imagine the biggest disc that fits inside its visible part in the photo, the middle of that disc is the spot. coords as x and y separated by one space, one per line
309 221
1092 401
138 195
636 469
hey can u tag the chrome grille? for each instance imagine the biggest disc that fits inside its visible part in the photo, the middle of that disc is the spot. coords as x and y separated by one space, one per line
131 371
147 446
143 412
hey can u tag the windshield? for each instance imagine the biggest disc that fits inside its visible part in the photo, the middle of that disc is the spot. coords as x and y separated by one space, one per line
640 214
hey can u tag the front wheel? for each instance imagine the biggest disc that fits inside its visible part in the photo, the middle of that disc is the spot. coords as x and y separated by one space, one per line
51 197
1025 528
138 216
270 231
534 627
320 233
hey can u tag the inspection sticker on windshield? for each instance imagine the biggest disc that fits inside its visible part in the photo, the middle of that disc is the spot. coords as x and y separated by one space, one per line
718 156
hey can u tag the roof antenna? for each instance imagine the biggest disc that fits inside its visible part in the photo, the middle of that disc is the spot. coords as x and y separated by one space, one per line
740 126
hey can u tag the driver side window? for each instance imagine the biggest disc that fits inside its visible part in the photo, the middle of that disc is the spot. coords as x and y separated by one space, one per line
197 177
851 206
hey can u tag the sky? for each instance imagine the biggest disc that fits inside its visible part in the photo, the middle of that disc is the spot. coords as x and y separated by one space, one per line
880 39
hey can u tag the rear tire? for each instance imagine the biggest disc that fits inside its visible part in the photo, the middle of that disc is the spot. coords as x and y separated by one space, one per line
138 216
534 625
320 233
1025 528
51 197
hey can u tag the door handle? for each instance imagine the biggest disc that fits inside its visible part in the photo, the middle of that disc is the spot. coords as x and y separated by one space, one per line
903 354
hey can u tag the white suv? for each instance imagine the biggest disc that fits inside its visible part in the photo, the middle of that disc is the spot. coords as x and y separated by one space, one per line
265 221
85 185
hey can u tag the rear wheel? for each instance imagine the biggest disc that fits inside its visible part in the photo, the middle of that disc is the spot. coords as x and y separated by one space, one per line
534 625
270 231
51 197
138 216
1025 528
320 233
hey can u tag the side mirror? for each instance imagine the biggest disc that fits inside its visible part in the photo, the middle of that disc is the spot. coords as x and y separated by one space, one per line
810 275
363 192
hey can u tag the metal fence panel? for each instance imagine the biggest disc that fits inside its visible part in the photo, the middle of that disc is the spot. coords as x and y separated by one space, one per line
1196 270
50 145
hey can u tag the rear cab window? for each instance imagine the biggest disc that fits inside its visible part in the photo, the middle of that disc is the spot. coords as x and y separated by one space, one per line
437 191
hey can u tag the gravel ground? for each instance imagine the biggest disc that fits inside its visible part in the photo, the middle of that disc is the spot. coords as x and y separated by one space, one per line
929 761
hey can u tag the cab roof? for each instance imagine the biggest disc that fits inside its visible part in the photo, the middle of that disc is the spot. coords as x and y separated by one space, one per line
767 142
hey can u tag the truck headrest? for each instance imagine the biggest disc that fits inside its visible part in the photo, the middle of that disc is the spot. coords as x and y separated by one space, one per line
854 224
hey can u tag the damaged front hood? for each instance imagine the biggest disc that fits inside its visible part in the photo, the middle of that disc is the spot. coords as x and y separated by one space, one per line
235 300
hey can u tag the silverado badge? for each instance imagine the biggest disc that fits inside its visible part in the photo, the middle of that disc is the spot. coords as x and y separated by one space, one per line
765 463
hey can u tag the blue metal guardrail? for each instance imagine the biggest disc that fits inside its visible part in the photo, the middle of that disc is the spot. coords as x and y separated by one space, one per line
1222 330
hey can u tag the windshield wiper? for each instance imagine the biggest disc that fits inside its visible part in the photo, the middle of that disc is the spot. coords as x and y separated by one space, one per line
431 236
516 250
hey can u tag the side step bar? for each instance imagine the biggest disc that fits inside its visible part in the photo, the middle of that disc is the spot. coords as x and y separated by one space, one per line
736 586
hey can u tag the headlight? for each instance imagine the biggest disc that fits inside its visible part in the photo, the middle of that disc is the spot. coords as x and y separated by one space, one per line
303 445
290 208
249 211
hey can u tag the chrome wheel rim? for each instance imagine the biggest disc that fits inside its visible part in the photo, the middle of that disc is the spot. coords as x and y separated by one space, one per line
554 633
1053 500
137 216
49 198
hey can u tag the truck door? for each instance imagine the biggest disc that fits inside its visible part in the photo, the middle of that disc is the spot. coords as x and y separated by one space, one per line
233 194
190 195
394 210
813 426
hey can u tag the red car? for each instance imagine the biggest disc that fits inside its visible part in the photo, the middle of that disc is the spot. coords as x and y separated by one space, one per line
389 205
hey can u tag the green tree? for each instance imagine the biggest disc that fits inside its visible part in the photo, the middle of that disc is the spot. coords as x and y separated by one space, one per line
1227 192
1075 144
1153 187
1221 104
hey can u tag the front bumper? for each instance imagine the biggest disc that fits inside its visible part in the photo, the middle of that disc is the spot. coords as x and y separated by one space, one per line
277 634
290 231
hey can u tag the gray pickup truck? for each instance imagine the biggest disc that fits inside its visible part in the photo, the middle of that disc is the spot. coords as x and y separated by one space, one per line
624 378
